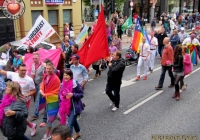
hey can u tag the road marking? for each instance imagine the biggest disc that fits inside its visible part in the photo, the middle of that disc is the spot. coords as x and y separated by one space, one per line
192 72
141 103
152 96
90 80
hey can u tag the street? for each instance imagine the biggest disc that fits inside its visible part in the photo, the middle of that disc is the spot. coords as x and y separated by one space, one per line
144 112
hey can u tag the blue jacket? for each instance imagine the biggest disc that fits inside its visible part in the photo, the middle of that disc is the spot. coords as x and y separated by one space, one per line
174 41
77 104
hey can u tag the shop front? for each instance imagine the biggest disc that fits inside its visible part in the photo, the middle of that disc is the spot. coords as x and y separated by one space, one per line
183 6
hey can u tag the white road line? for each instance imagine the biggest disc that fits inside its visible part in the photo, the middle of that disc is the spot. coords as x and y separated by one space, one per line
141 103
192 72
152 96
90 80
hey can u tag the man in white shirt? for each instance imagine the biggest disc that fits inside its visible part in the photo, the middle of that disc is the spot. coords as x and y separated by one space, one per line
191 40
27 87
153 46
143 58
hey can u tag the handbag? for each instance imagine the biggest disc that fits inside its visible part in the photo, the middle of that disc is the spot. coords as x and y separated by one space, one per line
71 33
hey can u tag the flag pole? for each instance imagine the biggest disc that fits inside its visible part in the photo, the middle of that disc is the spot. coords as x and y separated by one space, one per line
60 38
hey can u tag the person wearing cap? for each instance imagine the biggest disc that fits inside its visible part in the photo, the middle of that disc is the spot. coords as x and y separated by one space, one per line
192 41
80 73
153 46
182 35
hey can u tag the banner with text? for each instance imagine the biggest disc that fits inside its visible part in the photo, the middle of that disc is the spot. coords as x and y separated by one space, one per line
38 33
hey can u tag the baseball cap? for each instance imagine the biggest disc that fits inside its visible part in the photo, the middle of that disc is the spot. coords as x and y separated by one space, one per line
193 28
182 28
75 56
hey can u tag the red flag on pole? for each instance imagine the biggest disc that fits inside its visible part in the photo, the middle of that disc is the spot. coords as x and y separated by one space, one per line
96 47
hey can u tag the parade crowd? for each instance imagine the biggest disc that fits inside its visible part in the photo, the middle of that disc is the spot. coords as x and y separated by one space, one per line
58 91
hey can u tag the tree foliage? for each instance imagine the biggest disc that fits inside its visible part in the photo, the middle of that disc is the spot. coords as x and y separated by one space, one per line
119 4
87 2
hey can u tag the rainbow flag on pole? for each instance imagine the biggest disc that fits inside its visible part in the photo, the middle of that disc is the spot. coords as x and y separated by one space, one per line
138 34
81 37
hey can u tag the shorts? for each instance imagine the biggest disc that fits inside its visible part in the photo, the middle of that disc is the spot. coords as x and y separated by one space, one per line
28 103
178 73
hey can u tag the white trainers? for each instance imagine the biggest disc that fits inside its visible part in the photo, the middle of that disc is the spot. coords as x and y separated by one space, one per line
33 130
112 104
115 109
46 137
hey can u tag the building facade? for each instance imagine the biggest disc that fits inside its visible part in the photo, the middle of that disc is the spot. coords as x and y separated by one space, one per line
56 15
144 7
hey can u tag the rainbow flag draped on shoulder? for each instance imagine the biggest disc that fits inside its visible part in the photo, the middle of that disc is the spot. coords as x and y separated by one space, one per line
138 34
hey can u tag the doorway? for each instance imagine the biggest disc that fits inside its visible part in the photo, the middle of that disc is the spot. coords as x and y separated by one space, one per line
7 31
53 21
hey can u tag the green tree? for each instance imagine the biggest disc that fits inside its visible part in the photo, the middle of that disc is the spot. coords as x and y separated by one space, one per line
119 4
87 2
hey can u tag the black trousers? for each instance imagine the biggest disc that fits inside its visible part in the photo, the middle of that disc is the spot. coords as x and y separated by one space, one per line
113 88
96 67
162 76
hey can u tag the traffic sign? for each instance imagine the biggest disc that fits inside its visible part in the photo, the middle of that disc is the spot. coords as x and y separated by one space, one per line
131 3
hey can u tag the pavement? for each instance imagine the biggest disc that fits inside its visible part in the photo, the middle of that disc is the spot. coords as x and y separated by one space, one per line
144 113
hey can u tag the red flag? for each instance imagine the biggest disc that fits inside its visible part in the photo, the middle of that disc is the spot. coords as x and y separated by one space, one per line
96 47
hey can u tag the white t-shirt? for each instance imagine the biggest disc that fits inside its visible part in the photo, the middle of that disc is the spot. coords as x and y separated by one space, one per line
144 49
26 83
154 41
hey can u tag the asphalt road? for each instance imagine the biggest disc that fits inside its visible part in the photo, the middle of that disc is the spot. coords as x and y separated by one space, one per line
144 112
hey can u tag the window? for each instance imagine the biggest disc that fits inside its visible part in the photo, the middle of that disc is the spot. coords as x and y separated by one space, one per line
35 15
53 17
66 16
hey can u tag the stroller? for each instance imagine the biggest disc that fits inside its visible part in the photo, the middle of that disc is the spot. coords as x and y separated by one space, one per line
131 57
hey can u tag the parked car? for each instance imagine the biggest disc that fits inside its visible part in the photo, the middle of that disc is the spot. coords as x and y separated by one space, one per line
23 48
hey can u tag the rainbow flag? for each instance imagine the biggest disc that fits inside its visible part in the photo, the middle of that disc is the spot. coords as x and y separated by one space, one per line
51 102
81 37
138 34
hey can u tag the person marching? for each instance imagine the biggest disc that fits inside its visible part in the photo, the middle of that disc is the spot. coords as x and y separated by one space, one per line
154 44
114 80
178 70
143 58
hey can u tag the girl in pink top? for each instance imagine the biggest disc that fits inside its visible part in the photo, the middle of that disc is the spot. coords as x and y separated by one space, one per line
187 67
65 102
112 48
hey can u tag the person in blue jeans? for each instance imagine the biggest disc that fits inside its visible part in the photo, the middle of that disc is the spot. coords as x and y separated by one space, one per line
37 71
77 108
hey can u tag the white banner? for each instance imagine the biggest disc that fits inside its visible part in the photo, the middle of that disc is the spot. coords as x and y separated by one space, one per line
38 33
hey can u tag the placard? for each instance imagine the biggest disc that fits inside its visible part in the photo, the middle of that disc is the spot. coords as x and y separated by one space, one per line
54 2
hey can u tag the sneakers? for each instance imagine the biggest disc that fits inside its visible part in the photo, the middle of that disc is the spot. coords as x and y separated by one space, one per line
158 88
77 135
115 109
112 104
145 78
137 78
33 129
43 124
46 137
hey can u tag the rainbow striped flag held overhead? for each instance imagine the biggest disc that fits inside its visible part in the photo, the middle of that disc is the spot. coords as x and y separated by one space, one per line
138 34
83 34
